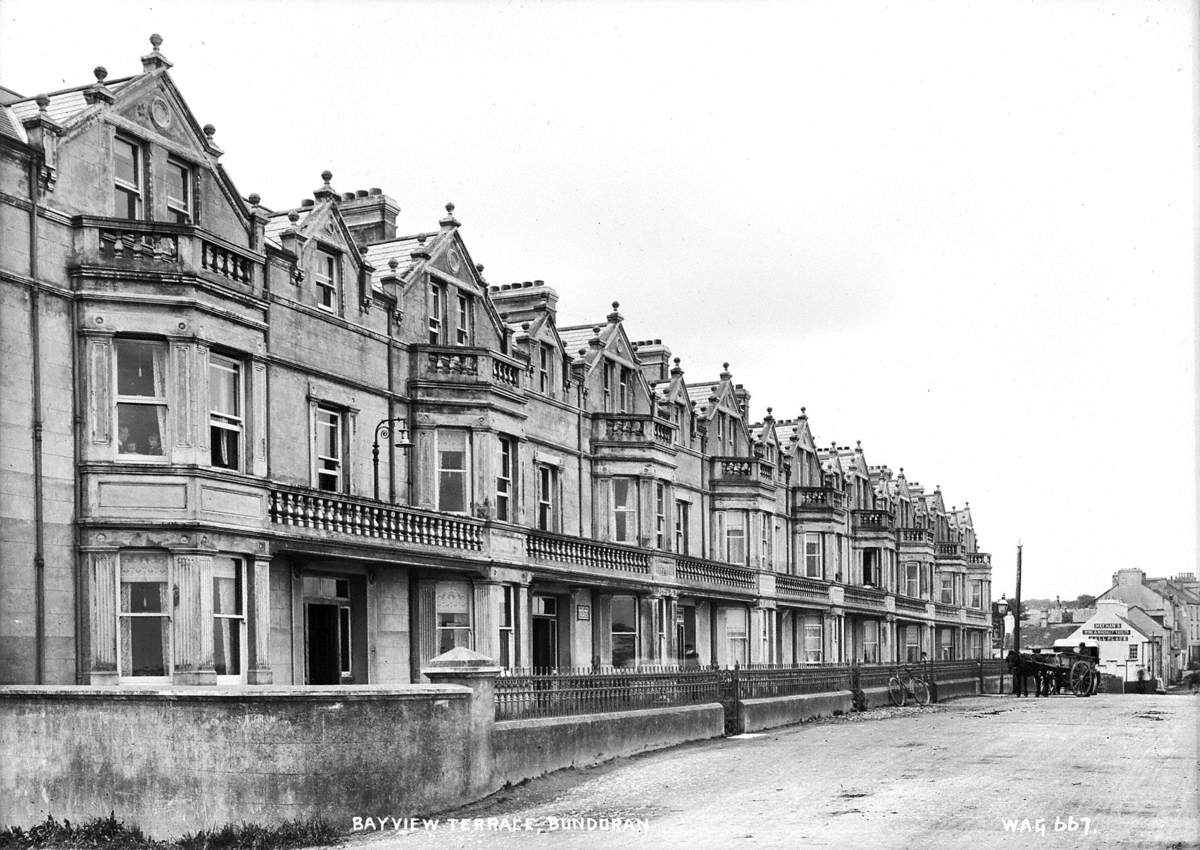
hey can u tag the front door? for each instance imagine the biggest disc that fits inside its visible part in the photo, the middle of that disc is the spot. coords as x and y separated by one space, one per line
545 631
324 655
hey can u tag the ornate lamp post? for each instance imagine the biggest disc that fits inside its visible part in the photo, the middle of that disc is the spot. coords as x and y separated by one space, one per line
384 431
1002 610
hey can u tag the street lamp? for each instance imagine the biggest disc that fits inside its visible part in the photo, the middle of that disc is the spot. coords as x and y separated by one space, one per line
384 431
1002 610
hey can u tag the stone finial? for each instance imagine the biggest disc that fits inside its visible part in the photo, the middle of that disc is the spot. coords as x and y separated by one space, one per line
615 316
255 199
479 267
393 264
293 217
804 413
449 220
421 238
42 100
97 91
858 446
101 73
154 60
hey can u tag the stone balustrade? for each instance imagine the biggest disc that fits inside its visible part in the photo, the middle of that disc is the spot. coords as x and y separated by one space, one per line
696 571
559 548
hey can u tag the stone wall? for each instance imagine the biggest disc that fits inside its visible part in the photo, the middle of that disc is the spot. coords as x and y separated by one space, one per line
179 760
528 748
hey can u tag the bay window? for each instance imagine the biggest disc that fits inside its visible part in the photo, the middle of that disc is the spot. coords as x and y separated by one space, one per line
452 484
813 567
682 510
737 635
505 472
453 609
225 404
735 537
813 646
660 515
144 616
624 510
141 397
912 579
326 275
229 619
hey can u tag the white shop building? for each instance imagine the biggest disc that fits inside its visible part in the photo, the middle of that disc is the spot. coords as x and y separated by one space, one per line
1127 638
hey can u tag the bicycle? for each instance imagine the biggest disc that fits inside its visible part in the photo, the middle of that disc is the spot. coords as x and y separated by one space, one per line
905 685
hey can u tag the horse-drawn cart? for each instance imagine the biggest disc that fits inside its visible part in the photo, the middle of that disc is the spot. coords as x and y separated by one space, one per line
1057 671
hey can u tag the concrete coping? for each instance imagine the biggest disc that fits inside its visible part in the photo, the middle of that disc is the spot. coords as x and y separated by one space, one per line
234 693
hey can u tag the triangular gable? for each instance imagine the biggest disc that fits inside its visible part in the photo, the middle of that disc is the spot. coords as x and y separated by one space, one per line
324 223
450 259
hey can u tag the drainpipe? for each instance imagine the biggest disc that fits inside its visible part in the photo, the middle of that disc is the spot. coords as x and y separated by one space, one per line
82 621
39 532
579 393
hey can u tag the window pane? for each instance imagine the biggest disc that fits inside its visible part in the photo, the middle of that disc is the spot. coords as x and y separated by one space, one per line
177 185
223 389
125 161
452 494
624 650
225 447
624 614
139 428
144 645
140 368
621 492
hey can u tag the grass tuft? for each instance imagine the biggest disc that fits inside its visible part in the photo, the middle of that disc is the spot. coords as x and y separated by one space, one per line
110 834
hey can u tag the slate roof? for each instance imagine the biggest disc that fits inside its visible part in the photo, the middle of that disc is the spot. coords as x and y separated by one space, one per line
10 125
379 254
1143 622
576 337
66 103
280 222
699 393
1045 636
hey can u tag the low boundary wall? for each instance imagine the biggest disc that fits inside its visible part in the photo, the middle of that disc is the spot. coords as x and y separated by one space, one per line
771 712
179 760
528 748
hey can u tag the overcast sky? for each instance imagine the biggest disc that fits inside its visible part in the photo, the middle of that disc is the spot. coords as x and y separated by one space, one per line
961 233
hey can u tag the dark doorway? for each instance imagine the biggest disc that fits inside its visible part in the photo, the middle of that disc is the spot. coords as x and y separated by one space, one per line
545 642
324 657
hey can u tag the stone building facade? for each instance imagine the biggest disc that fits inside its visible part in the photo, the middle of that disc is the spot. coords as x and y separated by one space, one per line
248 445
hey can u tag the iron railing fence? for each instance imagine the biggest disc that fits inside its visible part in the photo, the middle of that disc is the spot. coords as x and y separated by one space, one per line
777 680
563 692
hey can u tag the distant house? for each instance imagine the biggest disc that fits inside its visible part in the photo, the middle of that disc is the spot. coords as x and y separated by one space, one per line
1164 604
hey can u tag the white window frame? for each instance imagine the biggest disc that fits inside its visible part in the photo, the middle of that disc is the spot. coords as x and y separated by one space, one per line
544 370
547 497
734 529
437 312
737 638
660 514
507 617
232 422
629 510
814 562
912 579
946 586
123 186
167 615
813 640
440 593
506 456
180 209
327 277
239 566
637 642
682 516
156 401
338 419
871 642
441 433
462 329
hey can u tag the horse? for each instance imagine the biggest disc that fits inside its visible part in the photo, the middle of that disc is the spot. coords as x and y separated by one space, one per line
1020 669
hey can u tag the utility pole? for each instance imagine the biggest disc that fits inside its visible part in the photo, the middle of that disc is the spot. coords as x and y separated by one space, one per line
1017 611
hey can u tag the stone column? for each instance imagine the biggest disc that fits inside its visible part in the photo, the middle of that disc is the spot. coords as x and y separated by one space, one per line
102 613
523 598
580 647
259 585
462 666
426 625
192 619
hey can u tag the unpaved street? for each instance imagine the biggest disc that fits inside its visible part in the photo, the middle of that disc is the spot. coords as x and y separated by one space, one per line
946 776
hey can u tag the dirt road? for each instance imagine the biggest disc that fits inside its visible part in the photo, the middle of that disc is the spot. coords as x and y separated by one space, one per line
979 772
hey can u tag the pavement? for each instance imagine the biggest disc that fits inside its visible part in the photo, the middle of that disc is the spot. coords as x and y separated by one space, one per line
980 772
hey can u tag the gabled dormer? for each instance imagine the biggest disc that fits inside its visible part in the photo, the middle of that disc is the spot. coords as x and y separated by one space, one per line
833 474
720 411
440 293
529 309
132 149
802 449
330 271
858 477
672 403
607 364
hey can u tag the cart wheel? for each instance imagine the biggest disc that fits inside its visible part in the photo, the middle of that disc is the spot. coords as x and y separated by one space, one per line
896 691
1082 686
1080 671
921 692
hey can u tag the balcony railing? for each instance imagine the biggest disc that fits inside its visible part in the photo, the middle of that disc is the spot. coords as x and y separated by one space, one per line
979 559
633 428
911 536
872 520
331 512
949 550
587 553
742 469
819 499
459 364
871 597
802 588
945 609
909 605
164 247
696 571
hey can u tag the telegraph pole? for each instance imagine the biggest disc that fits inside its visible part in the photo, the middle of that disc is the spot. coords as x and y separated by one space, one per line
1017 617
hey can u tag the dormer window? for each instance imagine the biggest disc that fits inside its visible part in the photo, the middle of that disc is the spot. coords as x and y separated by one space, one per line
545 358
623 391
127 179
326 277
179 192
608 369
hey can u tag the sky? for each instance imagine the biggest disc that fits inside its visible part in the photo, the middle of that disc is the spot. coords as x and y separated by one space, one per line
962 233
